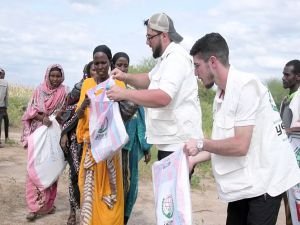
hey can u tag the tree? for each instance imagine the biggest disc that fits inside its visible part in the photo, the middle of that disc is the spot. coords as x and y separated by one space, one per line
145 66
277 91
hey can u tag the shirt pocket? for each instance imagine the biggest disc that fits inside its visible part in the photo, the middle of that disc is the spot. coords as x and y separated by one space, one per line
155 79
164 122
232 171
223 127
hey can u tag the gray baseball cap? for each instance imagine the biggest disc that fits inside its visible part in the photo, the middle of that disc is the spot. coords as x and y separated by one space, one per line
162 22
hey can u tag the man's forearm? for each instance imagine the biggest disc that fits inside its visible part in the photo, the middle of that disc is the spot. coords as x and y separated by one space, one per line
155 98
139 81
225 147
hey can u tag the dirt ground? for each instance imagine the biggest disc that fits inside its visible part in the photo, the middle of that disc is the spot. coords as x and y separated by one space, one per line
207 208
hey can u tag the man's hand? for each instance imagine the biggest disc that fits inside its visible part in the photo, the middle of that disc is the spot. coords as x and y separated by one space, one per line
116 93
190 147
118 75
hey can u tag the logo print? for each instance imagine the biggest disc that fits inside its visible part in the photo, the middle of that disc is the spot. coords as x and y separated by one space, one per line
168 206
102 130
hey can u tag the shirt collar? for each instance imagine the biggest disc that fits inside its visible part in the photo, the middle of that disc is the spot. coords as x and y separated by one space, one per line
168 50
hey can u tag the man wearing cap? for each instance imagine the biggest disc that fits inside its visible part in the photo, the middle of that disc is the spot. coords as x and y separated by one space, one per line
3 104
169 91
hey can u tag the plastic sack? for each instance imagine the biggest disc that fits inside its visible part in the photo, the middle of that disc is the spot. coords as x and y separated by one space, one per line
172 190
46 160
106 128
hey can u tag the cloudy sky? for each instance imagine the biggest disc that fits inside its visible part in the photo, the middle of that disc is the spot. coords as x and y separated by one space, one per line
262 35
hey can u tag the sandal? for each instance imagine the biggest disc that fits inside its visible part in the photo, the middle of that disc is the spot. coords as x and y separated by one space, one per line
72 219
31 216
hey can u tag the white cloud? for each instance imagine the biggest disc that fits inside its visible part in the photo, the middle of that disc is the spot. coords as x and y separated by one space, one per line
85 2
83 7
262 35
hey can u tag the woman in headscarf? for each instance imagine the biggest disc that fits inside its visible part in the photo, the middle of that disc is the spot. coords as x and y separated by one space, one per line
68 142
100 184
135 148
48 98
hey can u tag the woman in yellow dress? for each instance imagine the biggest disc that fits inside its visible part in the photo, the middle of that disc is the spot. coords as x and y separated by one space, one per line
100 184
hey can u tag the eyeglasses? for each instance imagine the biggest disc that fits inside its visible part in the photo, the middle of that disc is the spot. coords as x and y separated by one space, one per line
149 37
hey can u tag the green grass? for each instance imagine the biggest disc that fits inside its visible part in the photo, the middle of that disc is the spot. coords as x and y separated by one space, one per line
18 98
202 171
11 143
145 169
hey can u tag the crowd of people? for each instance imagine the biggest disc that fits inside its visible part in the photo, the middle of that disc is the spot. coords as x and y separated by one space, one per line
252 159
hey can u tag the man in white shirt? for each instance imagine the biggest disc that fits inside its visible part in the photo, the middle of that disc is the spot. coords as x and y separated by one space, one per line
169 91
252 160
290 114
3 104
290 106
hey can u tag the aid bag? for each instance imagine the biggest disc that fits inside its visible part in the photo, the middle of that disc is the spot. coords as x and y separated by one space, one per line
46 160
172 190
106 127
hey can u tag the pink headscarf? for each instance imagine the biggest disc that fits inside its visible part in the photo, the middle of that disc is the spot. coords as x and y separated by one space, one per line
46 99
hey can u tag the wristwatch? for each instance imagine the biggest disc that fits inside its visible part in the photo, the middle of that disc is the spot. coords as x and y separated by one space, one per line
199 145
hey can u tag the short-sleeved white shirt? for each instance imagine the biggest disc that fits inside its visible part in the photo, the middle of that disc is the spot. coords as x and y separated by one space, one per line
180 120
295 108
3 93
270 165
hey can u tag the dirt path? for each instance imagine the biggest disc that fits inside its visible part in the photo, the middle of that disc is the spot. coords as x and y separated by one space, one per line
207 208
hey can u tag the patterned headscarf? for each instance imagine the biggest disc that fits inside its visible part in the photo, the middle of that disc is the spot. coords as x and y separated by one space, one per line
46 99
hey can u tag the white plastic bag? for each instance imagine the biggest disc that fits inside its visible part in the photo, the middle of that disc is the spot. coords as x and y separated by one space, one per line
172 190
106 127
46 160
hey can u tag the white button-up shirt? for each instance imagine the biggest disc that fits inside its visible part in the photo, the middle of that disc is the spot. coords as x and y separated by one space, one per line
181 119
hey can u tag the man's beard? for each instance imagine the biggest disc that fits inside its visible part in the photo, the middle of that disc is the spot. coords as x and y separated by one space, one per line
210 81
157 52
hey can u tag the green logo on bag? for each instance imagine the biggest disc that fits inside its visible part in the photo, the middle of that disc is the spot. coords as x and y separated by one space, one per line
168 206
102 130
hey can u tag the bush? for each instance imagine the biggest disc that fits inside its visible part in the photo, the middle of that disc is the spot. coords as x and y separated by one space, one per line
206 99
18 98
144 67
277 91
